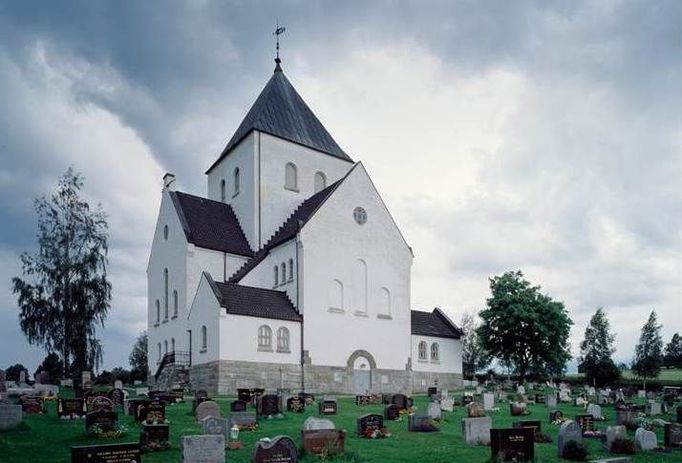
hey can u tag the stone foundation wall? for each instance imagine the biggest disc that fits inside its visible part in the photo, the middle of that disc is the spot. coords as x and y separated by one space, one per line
224 377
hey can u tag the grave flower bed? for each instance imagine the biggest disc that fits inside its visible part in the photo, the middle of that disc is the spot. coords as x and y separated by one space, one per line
118 430
623 446
381 433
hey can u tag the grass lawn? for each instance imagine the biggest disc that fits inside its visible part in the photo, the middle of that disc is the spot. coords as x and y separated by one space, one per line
44 438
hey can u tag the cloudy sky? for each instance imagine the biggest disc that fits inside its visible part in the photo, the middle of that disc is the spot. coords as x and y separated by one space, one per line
502 135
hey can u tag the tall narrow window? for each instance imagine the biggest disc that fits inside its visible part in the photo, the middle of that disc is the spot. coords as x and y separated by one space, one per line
165 232
204 338
158 312
291 269
159 346
236 180
165 346
283 340
435 355
175 303
320 181
284 272
172 344
165 293
422 351
384 302
276 271
360 288
336 295
264 338
222 190
291 177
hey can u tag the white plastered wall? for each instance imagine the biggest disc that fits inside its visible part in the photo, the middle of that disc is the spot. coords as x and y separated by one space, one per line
239 339
449 353
263 276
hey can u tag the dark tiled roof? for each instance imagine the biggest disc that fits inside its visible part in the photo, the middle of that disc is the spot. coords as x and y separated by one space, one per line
434 323
210 224
280 111
288 229
254 302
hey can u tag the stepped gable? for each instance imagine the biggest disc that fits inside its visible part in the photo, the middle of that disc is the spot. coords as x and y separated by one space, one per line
210 224
280 111
288 229
254 302
435 324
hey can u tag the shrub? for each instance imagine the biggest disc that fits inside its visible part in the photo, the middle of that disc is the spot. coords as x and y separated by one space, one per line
575 451
623 445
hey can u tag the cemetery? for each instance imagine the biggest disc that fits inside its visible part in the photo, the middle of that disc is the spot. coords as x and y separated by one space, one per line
474 424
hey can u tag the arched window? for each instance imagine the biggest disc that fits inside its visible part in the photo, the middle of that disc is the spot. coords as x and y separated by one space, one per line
165 346
291 269
159 346
165 232
291 177
422 351
384 302
434 352
320 181
276 275
264 338
158 311
283 340
336 295
235 174
165 293
175 303
284 272
204 338
360 286
172 344
222 190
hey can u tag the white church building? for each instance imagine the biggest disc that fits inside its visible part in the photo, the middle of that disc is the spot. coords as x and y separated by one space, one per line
291 272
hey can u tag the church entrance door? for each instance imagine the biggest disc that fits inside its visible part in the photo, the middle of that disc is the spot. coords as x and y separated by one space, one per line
361 376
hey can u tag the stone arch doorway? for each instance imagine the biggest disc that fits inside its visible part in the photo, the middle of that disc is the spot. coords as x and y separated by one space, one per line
360 365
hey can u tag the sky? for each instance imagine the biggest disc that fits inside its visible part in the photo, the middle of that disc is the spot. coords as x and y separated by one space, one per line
531 135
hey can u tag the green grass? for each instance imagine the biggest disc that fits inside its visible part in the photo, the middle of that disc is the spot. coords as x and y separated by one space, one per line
44 438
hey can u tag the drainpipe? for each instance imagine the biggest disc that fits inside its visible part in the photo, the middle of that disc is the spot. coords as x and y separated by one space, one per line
298 304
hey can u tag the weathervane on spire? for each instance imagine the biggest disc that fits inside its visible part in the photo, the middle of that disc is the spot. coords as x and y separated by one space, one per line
278 31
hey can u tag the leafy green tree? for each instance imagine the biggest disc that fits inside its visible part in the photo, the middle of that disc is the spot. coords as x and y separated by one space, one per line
138 358
673 352
52 365
596 351
525 328
649 350
12 373
474 358
64 294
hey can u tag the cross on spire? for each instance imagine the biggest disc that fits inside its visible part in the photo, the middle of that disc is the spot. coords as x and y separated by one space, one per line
278 31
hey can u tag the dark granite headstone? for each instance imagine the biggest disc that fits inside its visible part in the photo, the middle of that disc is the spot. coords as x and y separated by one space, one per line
515 444
243 420
432 391
386 398
31 405
152 412
391 412
673 435
420 423
106 420
307 398
71 408
238 406
400 400
679 413
328 407
362 400
117 396
295 404
268 405
281 449
109 453
535 424
249 395
586 423
154 437
540 398
369 423
467 399
134 405
555 415
99 403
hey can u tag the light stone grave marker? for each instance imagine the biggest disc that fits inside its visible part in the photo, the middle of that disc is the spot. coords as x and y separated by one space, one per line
208 408
569 431
477 430
10 416
488 401
203 448
645 440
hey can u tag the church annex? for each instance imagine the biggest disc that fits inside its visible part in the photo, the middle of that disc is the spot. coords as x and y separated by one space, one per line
291 272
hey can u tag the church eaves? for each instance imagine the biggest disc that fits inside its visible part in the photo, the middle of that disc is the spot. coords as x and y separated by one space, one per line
280 111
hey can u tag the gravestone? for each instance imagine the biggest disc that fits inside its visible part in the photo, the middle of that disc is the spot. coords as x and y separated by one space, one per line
595 411
628 418
117 396
520 389
645 440
215 425
539 399
133 407
85 378
295 404
477 430
555 415
613 433
569 431
516 444
431 391
362 400
447 404
100 403
154 437
536 425
391 412
281 449
243 420
420 423
151 412
641 394
551 401
118 384
203 448
313 424
22 378
672 435
328 406
238 406
43 377
68 409
31 405
208 408
268 405
474 410
467 399
10 416
369 423
434 411
488 401
105 420
107 453
400 400
323 441
199 397
653 408
517 408
586 423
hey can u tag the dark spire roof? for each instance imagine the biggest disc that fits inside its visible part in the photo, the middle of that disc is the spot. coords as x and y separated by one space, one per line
280 111
435 324
210 224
